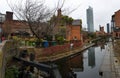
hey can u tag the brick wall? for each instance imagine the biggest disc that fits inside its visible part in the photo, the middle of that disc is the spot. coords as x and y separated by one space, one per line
73 32
117 18
53 50
10 25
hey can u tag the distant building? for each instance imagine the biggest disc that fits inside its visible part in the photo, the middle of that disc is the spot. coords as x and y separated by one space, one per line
108 28
73 32
101 31
2 17
9 25
102 28
112 23
90 22
115 22
68 31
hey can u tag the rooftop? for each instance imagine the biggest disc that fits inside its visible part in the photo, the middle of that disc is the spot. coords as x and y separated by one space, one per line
76 22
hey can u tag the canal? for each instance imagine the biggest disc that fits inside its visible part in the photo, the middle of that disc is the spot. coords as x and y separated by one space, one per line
84 65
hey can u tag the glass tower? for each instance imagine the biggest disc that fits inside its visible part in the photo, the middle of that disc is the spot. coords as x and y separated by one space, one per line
90 22
108 28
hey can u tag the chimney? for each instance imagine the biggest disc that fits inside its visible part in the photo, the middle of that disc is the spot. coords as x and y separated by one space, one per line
99 27
9 16
59 14
102 29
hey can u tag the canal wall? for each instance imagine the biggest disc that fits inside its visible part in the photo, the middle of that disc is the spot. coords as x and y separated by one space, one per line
69 53
57 49
7 50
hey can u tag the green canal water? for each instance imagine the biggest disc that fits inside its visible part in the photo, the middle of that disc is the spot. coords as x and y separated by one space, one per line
83 65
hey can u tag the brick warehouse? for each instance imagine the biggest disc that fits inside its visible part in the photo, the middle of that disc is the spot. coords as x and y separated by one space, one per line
116 24
9 25
74 31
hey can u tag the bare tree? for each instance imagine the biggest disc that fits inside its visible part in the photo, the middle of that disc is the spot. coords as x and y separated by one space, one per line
56 20
36 14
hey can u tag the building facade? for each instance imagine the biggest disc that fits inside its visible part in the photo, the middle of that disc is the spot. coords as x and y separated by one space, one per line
101 31
9 25
2 19
73 32
108 28
115 22
90 21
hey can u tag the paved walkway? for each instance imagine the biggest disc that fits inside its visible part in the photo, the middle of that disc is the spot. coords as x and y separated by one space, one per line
110 67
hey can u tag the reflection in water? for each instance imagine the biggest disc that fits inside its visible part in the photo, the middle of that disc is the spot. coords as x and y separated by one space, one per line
57 73
91 57
102 46
84 65
76 63
67 68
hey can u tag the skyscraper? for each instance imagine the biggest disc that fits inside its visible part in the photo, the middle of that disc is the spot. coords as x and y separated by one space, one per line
108 28
90 22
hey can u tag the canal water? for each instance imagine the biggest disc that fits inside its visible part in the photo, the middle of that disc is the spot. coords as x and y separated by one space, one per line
83 65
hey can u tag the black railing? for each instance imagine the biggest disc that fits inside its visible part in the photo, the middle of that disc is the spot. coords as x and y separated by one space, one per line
47 69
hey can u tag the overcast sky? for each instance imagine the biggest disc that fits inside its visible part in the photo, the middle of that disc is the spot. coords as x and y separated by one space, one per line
102 9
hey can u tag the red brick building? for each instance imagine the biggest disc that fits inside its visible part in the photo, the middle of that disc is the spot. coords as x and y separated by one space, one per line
73 32
10 25
101 31
116 24
69 31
